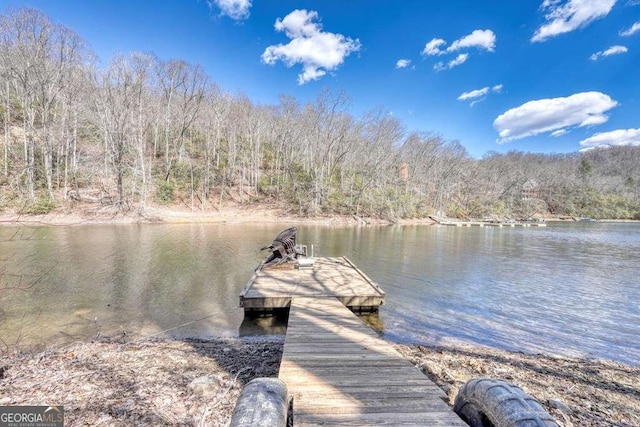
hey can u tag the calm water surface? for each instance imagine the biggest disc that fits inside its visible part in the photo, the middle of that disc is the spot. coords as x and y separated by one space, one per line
571 289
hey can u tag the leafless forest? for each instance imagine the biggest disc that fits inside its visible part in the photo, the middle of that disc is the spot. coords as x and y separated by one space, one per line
144 130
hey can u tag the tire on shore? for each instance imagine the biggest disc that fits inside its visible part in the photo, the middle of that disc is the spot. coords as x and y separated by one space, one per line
485 402
263 402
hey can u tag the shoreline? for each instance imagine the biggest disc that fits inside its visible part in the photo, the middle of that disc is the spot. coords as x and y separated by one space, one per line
228 215
195 382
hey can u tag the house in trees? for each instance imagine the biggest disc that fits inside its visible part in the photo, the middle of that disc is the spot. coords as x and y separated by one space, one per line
530 190
404 172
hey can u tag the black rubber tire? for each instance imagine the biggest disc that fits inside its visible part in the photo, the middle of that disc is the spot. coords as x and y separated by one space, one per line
485 402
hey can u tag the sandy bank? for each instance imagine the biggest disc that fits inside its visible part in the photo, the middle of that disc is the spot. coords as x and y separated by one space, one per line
196 382
230 214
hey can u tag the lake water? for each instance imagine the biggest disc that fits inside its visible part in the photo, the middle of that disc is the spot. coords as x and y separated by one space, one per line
569 288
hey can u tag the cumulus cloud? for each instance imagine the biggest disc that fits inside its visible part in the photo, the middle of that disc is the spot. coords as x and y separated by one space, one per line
612 138
613 50
479 95
552 115
565 16
316 50
403 63
459 60
481 39
433 47
631 30
234 9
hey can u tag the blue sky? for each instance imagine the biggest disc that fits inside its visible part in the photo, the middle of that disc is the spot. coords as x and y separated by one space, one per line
497 75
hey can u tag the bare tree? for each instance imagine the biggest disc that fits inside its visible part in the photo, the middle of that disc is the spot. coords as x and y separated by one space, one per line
119 109
144 124
183 89
40 58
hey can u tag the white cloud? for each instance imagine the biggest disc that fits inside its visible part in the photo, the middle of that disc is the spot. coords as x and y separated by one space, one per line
613 50
474 94
554 114
234 9
612 138
631 30
433 47
566 16
318 51
479 95
459 60
298 23
403 63
559 132
481 39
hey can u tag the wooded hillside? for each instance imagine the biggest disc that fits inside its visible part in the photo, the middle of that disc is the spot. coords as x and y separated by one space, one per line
147 130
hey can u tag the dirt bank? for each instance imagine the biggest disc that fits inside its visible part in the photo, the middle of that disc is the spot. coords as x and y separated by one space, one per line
92 214
155 383
577 392
151 383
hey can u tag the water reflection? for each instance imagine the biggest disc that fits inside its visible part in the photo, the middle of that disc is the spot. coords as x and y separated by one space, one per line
566 288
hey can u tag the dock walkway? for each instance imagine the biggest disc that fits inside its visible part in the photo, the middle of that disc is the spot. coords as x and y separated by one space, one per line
339 372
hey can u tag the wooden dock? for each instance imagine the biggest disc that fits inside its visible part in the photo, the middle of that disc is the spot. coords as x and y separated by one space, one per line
492 224
337 370
273 287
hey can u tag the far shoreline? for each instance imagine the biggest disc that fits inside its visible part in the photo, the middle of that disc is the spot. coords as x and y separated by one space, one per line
256 214
229 215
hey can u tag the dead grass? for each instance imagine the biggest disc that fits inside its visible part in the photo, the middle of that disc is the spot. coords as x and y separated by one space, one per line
151 383
196 383
575 392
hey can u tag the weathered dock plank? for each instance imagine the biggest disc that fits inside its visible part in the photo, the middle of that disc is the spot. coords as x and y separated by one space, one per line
273 287
379 419
339 372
